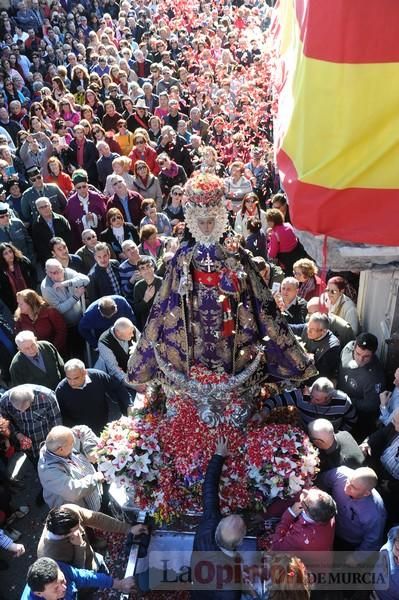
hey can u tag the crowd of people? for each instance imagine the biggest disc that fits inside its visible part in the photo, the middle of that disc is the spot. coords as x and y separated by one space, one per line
107 109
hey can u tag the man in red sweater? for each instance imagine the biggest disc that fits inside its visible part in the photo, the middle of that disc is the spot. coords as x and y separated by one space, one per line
307 529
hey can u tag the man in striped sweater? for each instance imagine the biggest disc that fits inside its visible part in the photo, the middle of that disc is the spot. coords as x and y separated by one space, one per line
321 401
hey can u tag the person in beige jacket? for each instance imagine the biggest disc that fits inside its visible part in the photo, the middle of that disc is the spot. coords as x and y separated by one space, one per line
64 537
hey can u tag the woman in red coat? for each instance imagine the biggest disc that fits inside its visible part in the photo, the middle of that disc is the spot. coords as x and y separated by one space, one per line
143 151
34 314
310 284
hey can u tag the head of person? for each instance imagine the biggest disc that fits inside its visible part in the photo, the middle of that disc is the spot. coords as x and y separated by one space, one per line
35 177
75 373
46 580
54 270
21 397
60 439
366 345
321 391
316 305
102 254
63 522
289 289
317 326
13 187
109 108
131 251
80 182
146 268
304 269
274 217
321 433
4 214
79 133
318 505
29 303
44 208
230 532
336 287
263 268
147 206
155 123
176 195
26 342
124 329
9 254
237 169
114 218
289 578
279 201
58 248
250 202
360 483
141 169
89 238
119 186
107 307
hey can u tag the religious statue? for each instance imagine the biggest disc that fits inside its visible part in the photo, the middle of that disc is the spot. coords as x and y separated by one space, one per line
213 310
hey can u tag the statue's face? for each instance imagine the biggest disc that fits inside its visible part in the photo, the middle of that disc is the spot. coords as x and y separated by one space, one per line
206 225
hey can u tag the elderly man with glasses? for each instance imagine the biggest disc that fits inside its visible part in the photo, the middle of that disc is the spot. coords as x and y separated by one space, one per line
127 201
86 208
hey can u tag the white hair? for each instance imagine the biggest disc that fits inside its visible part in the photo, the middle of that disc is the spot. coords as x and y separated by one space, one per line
24 336
53 263
74 363
21 395
123 323
41 200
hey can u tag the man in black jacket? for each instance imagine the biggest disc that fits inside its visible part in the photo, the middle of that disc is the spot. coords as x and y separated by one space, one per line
104 276
82 153
47 225
217 538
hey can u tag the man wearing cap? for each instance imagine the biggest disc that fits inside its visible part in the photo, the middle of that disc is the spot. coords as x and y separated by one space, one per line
139 117
14 231
47 225
39 189
86 208
361 376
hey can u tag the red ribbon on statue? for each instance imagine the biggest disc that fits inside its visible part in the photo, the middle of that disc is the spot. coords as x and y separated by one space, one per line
213 280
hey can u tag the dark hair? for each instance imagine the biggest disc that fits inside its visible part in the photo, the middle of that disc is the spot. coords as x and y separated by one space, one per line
17 254
56 240
254 225
367 341
147 231
275 216
145 260
60 521
147 203
245 198
42 572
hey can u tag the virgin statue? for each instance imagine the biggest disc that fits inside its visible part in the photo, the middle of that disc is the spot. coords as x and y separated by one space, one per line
214 311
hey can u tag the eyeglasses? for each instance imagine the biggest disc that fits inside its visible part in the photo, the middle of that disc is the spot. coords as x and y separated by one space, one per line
35 177
43 206
122 125
82 186
250 200
90 237
161 163
4 216
142 168
177 194
139 141
333 292
117 218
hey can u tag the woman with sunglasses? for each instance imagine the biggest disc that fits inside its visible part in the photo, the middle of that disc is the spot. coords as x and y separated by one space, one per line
310 284
170 174
143 151
153 217
174 209
250 208
340 304
117 232
146 184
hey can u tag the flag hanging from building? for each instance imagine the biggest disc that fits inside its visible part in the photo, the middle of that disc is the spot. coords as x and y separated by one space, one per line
337 127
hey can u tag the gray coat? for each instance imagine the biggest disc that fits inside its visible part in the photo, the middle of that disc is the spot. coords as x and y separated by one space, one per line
61 481
62 298
17 234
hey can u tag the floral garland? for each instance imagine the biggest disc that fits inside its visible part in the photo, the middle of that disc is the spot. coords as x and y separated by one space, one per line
163 461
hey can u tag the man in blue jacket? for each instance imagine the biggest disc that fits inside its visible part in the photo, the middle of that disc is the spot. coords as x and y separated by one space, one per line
217 538
56 581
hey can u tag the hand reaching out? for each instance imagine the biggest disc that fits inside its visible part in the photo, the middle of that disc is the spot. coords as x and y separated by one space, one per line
222 446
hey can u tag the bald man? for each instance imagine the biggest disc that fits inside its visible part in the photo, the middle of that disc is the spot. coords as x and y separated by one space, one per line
335 449
361 514
65 469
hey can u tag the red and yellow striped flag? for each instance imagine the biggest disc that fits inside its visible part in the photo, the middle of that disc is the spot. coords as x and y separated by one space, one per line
337 128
